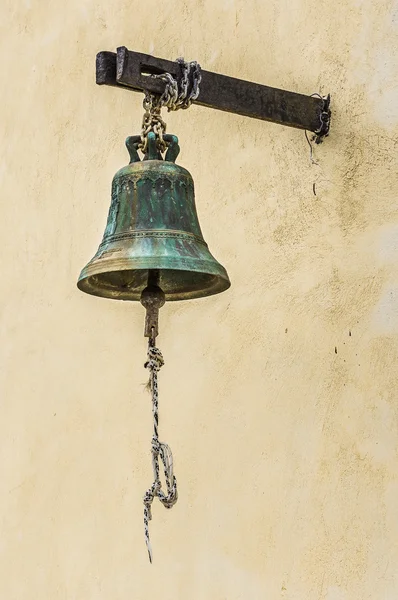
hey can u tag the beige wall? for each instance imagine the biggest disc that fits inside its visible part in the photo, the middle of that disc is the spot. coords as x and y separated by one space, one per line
285 451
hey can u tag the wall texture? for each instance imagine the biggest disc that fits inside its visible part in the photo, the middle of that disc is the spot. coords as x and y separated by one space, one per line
279 397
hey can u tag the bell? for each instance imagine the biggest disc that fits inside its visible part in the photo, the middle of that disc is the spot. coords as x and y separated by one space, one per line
153 228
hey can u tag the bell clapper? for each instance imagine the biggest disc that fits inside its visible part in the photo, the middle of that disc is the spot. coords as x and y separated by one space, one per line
152 298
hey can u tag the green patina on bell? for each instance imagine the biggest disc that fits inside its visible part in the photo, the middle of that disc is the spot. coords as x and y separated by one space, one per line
153 227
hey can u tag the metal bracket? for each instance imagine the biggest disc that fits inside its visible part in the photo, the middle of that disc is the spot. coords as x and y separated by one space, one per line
132 70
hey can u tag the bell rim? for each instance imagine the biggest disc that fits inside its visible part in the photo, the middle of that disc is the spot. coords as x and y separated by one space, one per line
213 269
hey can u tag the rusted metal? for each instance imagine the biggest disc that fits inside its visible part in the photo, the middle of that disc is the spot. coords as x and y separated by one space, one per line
132 70
152 299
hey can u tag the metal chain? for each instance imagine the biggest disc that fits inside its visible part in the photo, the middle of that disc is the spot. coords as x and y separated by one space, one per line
152 121
154 363
172 99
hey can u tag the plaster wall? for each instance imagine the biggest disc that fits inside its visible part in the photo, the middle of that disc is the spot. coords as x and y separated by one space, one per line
278 397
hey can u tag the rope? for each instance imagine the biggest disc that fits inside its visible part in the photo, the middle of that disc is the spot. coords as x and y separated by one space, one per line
312 160
154 363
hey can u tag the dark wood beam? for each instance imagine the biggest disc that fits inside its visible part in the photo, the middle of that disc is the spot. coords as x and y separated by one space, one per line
132 70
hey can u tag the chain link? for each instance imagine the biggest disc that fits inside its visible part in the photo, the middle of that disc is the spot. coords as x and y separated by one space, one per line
172 98
152 121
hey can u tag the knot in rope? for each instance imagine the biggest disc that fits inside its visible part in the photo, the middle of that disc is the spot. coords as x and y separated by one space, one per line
159 449
155 360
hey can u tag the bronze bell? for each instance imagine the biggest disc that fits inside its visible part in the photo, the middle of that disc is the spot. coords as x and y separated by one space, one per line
152 229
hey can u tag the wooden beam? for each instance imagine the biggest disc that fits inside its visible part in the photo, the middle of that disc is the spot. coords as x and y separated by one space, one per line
132 70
